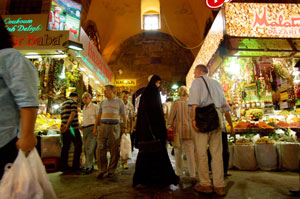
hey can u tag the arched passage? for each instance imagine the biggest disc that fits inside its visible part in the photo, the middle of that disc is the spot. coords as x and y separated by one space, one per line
151 53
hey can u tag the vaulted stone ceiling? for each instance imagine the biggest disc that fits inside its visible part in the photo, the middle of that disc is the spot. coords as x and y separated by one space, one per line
118 20
119 26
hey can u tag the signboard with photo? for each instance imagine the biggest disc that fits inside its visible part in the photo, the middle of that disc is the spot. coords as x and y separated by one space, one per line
65 15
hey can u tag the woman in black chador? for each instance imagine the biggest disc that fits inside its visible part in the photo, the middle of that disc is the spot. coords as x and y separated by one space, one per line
152 168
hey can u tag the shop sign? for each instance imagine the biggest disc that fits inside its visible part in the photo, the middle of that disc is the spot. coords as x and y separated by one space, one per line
40 40
65 15
214 4
93 56
263 20
25 23
125 82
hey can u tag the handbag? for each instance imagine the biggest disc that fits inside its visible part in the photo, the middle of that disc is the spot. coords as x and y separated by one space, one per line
207 118
170 134
154 145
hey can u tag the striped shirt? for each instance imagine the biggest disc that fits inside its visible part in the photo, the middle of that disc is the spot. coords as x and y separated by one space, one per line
179 117
111 110
67 108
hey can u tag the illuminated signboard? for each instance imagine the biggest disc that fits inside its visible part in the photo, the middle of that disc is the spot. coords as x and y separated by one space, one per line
65 15
262 20
41 40
125 82
25 23
214 4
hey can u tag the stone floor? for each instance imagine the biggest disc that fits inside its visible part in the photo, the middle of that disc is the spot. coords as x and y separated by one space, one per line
240 185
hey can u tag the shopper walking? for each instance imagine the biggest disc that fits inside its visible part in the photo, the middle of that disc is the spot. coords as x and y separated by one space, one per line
205 91
180 120
129 111
90 112
110 111
19 101
70 133
153 166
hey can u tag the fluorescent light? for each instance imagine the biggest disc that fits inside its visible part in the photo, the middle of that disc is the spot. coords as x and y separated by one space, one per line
83 69
97 82
32 56
59 51
55 106
91 76
59 56
74 47
175 86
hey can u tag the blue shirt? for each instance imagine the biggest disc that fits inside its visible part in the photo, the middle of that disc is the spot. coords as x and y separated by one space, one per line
18 88
111 110
199 94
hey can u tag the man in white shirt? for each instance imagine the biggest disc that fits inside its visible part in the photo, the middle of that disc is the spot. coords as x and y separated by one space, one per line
129 111
90 112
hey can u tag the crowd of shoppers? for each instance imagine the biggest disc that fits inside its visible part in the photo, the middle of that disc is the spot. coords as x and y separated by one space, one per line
103 126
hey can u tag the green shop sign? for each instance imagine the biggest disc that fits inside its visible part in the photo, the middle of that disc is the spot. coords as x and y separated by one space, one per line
25 23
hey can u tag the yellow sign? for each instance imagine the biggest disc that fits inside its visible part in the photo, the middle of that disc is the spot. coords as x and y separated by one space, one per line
125 82
262 20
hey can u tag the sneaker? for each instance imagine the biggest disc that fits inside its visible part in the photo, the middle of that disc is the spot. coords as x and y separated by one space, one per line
220 191
125 166
203 189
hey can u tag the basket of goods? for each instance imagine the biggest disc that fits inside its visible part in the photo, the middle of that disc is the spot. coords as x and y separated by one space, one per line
244 155
266 154
288 151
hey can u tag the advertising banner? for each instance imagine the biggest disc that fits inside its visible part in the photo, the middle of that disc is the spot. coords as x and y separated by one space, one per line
65 15
30 32
262 20
91 58
25 23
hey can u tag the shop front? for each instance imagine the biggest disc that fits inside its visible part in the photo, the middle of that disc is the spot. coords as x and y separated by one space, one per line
252 50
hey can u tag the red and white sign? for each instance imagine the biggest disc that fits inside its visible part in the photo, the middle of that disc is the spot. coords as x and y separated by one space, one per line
214 4
263 20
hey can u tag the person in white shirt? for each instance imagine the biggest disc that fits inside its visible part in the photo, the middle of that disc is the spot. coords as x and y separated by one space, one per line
129 111
90 112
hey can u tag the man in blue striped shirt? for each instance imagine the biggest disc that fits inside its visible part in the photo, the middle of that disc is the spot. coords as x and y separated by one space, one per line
110 112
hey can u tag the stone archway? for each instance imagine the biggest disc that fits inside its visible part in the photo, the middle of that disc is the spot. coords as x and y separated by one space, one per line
151 53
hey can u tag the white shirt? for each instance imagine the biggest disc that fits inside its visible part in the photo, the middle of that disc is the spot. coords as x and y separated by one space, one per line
89 114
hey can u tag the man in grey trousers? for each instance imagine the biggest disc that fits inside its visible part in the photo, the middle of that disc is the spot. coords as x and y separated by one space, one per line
90 112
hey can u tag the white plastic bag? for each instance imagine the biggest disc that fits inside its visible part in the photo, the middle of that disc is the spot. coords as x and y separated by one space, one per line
18 182
266 156
125 148
40 174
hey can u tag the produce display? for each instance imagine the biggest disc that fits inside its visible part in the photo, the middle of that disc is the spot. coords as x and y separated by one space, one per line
45 122
264 140
243 141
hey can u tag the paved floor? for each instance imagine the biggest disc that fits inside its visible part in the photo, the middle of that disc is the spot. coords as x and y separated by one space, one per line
240 185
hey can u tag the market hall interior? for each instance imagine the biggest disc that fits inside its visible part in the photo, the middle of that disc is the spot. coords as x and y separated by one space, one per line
123 42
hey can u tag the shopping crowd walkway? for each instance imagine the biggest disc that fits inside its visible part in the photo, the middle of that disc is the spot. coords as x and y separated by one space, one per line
240 185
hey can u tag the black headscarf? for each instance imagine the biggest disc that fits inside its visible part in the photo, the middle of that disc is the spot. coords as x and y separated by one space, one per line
150 113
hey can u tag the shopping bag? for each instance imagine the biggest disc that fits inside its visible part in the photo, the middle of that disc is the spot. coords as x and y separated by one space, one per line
170 134
40 174
125 148
18 181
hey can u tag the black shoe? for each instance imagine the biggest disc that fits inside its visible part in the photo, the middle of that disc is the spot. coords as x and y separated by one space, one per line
295 192
100 176
88 171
